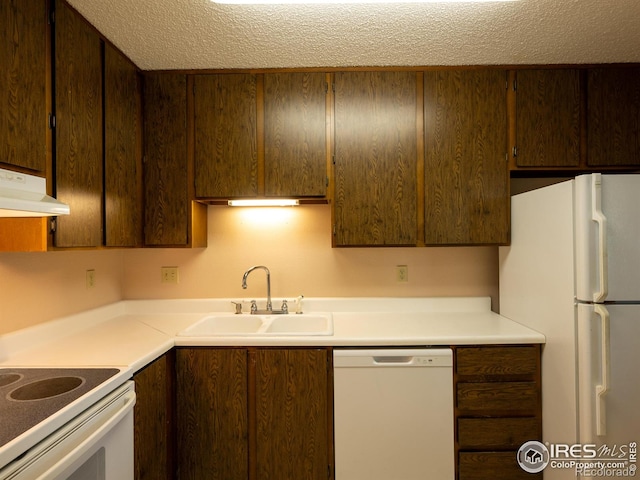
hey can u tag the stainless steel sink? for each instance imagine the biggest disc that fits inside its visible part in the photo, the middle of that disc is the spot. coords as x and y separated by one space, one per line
261 325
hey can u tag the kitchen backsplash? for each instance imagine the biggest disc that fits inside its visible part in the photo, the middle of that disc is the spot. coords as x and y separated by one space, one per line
294 242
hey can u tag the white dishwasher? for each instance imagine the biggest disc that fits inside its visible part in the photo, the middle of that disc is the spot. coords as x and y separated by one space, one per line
393 414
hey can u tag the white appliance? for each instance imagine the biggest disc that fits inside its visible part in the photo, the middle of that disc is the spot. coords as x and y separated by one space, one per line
96 445
23 195
393 411
572 272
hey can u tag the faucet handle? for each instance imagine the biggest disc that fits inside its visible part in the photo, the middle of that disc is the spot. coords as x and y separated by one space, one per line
285 306
254 306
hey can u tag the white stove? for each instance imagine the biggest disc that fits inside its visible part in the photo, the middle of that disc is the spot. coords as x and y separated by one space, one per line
51 415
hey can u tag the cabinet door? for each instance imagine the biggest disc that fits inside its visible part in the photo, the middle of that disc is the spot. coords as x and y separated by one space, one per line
295 134
78 137
613 117
23 70
293 415
226 161
165 163
212 426
153 417
375 200
466 174
548 118
122 152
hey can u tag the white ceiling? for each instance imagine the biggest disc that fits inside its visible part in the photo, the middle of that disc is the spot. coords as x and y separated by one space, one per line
199 34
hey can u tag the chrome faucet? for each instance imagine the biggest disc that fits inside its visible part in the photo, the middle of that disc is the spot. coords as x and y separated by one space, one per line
269 308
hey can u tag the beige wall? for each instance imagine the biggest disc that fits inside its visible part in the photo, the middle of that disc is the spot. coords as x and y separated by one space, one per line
36 287
295 243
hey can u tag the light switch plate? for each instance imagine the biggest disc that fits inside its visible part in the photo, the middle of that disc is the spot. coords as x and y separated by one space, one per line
168 274
90 278
402 273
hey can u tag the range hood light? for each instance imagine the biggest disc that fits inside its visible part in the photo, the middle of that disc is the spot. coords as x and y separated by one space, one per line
23 195
264 202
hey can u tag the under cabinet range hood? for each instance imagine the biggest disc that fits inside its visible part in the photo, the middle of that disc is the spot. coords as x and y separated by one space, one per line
23 195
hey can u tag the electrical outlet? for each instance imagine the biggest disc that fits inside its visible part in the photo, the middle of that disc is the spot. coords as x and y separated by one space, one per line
90 278
402 273
168 274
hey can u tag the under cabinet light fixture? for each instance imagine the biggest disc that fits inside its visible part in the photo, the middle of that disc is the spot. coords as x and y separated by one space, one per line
264 202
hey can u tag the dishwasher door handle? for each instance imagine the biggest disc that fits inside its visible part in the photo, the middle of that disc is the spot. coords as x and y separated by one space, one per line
393 360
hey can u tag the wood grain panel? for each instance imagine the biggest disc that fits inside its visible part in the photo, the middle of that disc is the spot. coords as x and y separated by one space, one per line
294 129
492 466
24 234
492 433
153 443
212 412
122 155
166 162
497 360
613 122
375 158
500 397
466 174
23 69
548 118
78 152
226 162
292 413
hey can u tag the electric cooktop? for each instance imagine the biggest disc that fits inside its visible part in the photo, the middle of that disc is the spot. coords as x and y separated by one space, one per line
29 396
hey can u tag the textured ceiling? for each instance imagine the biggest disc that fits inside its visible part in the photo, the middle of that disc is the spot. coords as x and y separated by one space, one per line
199 34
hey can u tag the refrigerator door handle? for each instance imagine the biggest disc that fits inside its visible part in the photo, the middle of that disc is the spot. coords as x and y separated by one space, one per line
598 216
602 389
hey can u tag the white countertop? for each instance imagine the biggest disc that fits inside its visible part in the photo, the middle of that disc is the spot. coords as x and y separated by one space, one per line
133 333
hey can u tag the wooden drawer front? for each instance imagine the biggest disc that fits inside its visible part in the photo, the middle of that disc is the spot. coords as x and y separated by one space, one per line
496 432
498 397
497 360
492 466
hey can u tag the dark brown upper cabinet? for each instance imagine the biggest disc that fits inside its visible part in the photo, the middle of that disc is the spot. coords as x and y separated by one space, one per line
260 135
122 151
171 217
547 118
295 139
613 116
375 198
78 131
226 148
23 79
466 174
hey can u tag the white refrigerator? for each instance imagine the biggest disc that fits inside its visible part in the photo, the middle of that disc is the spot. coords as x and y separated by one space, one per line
572 272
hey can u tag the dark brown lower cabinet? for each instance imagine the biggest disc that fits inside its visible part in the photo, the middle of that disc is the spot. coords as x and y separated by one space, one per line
497 409
153 420
262 413
254 413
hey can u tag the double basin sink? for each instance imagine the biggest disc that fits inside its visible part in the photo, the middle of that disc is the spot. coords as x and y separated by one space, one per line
261 325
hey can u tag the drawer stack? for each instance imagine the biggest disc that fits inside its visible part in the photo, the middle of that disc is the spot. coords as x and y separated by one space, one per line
497 409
